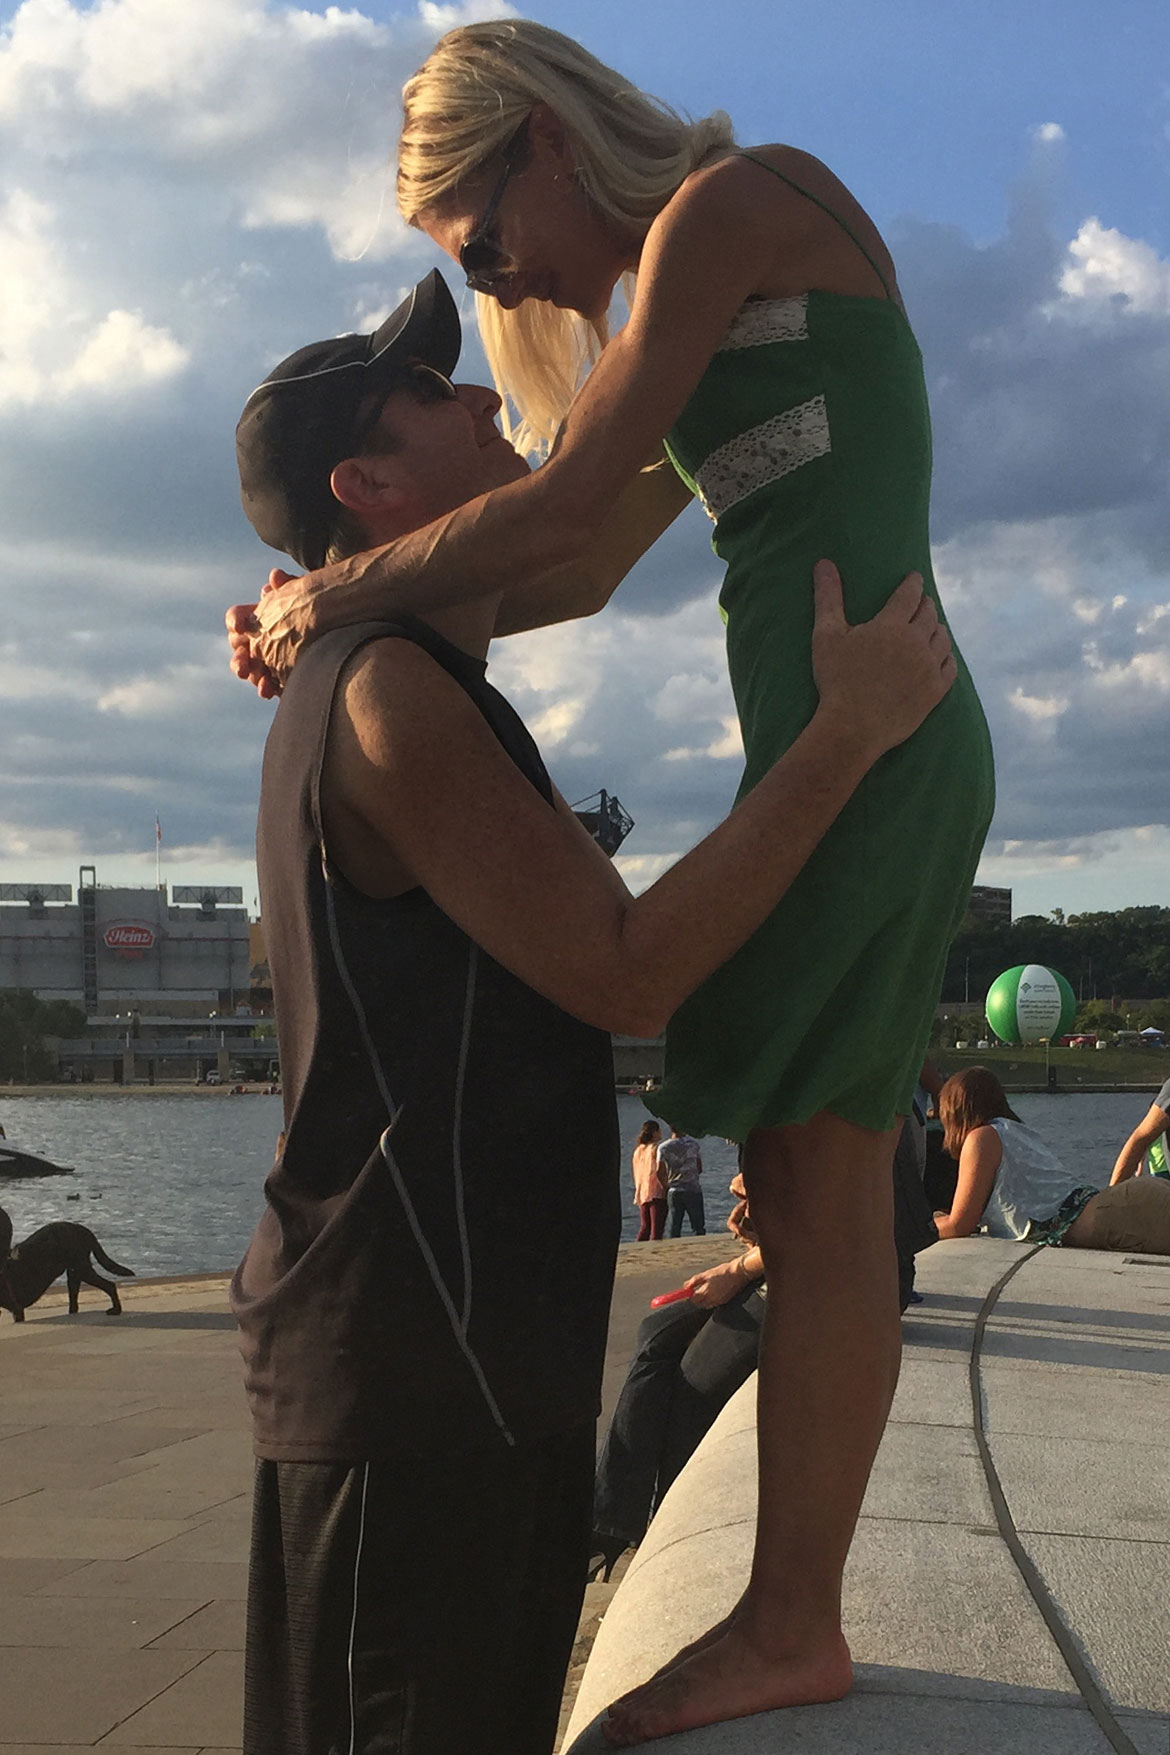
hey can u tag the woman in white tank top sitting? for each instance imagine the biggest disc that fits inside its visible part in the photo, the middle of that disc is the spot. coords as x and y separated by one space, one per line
1013 1185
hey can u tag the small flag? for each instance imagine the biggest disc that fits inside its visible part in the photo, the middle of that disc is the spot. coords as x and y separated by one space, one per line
157 832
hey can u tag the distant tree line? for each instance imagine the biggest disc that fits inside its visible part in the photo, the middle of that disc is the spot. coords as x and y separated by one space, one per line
25 1022
1109 959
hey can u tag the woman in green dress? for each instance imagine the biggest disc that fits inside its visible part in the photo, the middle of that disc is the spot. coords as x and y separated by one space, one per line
768 353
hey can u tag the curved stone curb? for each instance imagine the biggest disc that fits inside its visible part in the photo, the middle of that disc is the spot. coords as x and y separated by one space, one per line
694 1536
952 1655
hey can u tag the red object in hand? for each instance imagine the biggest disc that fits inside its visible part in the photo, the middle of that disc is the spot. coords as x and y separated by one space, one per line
672 1297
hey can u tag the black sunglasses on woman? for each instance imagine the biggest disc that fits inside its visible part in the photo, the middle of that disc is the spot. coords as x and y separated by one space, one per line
481 257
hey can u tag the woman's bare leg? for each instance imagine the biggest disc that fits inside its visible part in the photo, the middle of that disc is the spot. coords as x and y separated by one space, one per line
822 1203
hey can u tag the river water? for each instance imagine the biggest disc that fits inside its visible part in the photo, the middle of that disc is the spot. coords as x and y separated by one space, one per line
173 1184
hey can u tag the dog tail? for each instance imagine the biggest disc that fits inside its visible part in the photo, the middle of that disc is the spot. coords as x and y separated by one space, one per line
111 1267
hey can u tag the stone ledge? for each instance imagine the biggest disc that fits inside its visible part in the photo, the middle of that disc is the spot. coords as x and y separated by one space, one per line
953 1656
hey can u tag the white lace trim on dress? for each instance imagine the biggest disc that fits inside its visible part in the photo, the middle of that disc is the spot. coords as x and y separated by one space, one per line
762 455
766 320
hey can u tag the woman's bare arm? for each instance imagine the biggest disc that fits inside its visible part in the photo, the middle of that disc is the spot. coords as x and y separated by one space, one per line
979 1162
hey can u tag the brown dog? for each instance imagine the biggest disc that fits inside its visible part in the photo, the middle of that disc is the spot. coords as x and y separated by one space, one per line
62 1248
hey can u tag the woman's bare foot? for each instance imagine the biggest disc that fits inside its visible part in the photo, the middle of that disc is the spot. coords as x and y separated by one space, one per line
728 1678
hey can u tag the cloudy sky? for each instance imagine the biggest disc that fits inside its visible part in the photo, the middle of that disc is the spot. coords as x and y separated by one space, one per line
189 191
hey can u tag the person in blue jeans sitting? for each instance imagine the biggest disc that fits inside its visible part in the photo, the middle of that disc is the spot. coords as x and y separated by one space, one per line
680 1167
689 1361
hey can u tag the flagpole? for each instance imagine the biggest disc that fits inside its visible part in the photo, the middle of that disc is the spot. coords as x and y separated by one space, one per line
157 852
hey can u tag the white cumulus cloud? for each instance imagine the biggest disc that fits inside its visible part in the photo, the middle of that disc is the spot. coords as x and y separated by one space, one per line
1104 265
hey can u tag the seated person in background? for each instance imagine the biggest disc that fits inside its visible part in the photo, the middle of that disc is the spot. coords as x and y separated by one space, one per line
1013 1185
690 1359
1148 1141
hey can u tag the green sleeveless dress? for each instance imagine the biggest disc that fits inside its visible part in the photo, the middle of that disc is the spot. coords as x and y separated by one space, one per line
808 437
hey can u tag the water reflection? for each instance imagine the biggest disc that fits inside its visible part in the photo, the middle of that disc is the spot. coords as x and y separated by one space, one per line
173 1184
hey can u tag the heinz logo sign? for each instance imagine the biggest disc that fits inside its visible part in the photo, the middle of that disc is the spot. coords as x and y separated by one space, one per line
128 940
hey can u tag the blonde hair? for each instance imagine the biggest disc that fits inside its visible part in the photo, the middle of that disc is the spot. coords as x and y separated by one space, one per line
463 105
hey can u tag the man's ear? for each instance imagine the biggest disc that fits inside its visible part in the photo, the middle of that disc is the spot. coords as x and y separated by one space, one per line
367 484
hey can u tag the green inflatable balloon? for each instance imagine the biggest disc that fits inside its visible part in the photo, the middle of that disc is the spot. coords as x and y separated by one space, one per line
1030 1003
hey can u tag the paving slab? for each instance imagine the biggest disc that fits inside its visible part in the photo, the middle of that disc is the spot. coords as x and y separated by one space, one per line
946 1601
929 1474
160 1491
205 1703
80 1623
218 1626
29 1408
53 1537
17 1481
1104 1489
209 1411
185 1579
46 1699
206 1451
1123 1407
112 1442
217 1539
1067 1343
935 1393
144 1337
1129 1654
20 1578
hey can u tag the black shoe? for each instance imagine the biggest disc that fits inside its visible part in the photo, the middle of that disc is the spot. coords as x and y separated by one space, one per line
604 1553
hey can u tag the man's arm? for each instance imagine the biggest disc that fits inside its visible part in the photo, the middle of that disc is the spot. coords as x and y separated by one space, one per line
1139 1142
417 786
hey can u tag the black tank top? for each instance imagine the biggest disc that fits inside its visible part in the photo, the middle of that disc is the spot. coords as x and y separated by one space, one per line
434 1262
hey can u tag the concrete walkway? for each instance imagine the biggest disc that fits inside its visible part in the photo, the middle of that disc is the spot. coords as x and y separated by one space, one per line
955 1656
125 1474
125 1495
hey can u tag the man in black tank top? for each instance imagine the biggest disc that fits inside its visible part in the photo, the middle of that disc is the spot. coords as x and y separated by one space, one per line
423 1306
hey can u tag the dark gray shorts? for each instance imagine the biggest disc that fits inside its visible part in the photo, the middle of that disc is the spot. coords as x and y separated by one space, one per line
422 1607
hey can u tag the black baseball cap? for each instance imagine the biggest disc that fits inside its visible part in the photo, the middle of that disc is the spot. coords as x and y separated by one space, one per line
301 422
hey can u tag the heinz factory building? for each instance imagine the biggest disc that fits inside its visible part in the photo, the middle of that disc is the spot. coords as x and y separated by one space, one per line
114 951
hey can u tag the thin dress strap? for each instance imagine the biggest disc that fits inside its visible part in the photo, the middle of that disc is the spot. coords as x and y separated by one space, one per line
825 208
